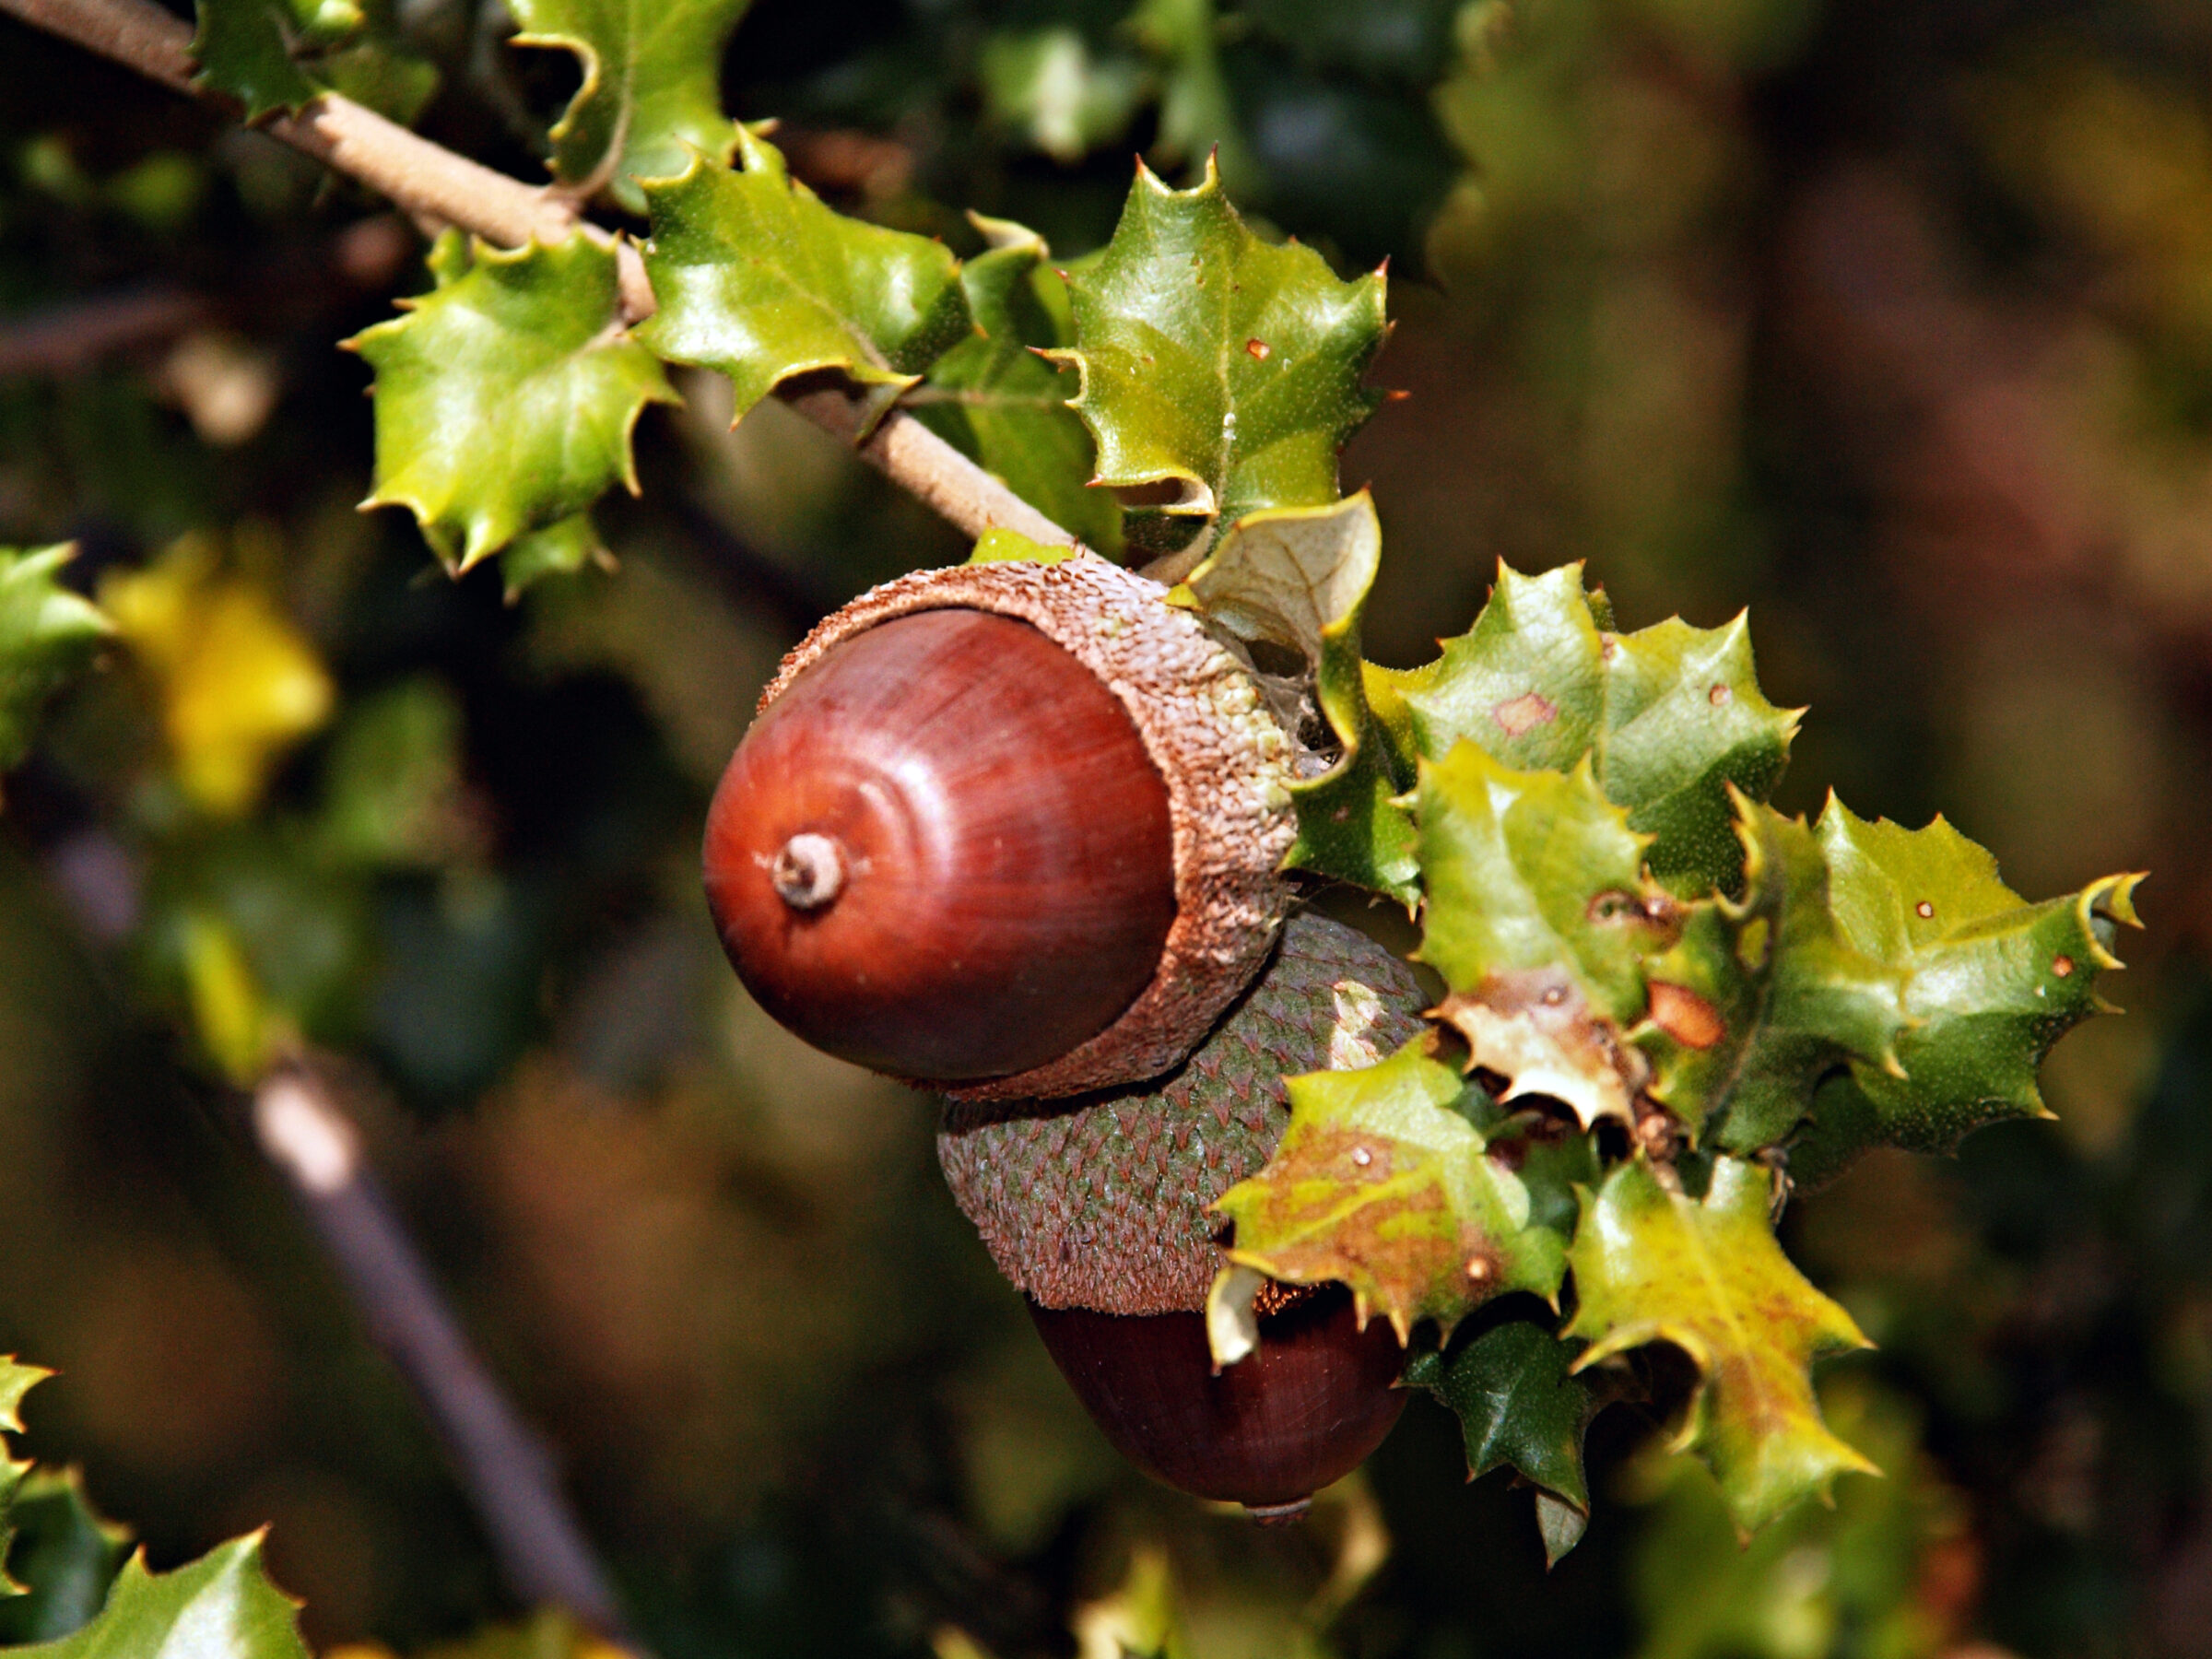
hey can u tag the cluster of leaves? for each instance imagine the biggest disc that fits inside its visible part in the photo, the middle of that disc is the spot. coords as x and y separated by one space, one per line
1665 1003
70 1591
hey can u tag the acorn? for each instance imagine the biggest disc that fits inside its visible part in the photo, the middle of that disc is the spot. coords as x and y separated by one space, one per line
1099 1209
1011 830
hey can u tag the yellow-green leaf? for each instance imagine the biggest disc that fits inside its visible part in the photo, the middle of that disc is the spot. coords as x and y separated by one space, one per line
1653 1264
506 396
1991 982
758 280
221 1607
652 88
1539 916
47 634
1216 364
1380 1185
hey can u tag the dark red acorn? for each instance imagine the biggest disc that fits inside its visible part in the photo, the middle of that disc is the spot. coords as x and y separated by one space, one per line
1012 827
1304 1409
944 852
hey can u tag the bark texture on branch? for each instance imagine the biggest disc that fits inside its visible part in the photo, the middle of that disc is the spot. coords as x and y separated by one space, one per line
434 186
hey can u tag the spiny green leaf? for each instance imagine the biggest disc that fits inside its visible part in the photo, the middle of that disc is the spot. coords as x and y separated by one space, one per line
47 633
1214 362
1671 715
1759 999
1521 1406
1653 1266
16 1381
1992 981
651 86
243 48
561 548
64 1555
506 397
278 54
1539 916
758 280
999 401
1379 1183
221 1607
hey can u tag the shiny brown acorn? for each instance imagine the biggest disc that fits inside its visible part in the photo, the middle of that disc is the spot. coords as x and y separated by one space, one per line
1098 1210
1011 828
1304 1409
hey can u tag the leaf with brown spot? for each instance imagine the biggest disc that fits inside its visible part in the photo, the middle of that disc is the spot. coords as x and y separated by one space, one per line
1382 1185
1669 716
1539 917
1762 997
1653 1266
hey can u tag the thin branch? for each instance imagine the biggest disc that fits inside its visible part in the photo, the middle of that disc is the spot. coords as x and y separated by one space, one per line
508 1474
433 184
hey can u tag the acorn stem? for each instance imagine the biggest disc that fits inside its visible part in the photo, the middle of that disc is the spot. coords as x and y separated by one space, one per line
808 870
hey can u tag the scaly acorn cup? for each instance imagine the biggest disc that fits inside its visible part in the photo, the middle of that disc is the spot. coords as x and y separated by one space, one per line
1097 1209
1009 828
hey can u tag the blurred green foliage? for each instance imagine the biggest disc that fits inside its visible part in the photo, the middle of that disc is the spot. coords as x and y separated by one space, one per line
1888 320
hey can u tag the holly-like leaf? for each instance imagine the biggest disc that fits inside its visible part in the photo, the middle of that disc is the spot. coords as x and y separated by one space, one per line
1000 402
64 1556
1380 1185
1991 982
47 634
1653 1266
651 86
1521 1406
278 54
244 48
1759 999
221 1607
16 1381
505 399
1670 716
1539 916
758 280
1216 364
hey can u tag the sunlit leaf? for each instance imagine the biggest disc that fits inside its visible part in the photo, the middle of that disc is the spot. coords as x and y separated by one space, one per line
47 634
1052 89
651 85
1670 716
506 396
758 280
1761 998
16 1381
1654 1265
221 1607
1380 1185
1991 982
237 681
1000 402
1539 916
1216 364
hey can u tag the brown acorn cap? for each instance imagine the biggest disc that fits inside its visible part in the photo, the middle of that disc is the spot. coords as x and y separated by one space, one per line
1102 1202
1226 762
